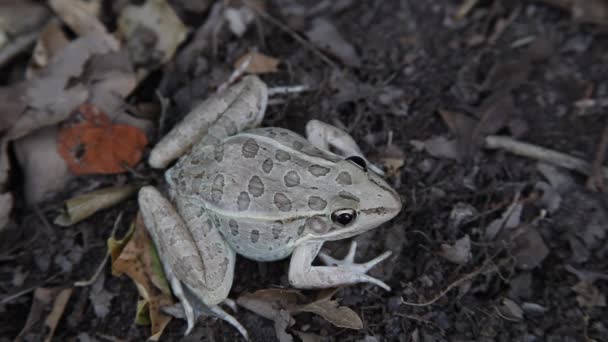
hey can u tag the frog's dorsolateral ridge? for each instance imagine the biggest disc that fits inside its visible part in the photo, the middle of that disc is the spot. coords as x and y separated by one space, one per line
263 193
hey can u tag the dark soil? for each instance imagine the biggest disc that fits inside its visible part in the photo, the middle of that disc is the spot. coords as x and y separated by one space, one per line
431 61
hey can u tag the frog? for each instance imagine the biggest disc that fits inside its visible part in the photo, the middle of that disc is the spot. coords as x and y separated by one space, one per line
264 193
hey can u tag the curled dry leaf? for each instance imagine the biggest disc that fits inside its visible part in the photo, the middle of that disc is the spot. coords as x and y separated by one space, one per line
325 35
588 295
93 145
45 172
135 256
38 327
81 17
259 63
152 32
274 303
83 206
459 252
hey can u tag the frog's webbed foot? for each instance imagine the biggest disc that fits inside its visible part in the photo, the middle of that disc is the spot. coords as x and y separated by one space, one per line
338 272
349 263
324 136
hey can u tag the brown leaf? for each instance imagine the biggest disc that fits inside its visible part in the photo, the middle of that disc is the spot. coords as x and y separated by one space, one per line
38 327
80 207
459 252
589 295
269 302
81 17
50 41
96 146
137 260
340 316
259 63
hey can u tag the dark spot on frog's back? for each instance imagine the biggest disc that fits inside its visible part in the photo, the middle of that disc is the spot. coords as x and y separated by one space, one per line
318 170
256 186
255 235
297 145
282 202
250 148
316 203
282 156
267 165
234 227
344 178
277 229
217 189
291 179
218 152
243 201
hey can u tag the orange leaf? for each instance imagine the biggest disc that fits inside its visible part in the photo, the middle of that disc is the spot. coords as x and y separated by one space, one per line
92 144
258 63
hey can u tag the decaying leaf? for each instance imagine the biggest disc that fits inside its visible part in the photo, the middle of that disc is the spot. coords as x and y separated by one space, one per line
511 218
340 316
40 328
50 41
511 310
138 260
259 63
326 36
439 147
85 205
81 17
529 248
588 295
45 172
275 303
459 252
94 145
152 32
6 205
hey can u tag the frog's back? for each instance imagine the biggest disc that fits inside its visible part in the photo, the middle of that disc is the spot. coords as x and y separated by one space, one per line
259 187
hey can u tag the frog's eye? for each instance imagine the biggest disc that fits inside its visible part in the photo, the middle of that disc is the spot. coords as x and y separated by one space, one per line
343 217
359 161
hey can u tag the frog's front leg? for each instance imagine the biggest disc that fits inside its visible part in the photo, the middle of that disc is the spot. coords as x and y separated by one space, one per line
198 263
345 272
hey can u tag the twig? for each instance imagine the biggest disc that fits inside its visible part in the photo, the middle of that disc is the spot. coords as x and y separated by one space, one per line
90 281
454 284
238 72
595 180
287 90
290 32
17 46
540 153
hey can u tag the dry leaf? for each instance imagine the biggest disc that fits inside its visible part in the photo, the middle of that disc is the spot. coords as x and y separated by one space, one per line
54 316
138 260
325 35
511 310
45 172
259 63
589 295
269 302
152 32
50 41
85 205
340 316
529 248
94 145
81 17
459 253
37 327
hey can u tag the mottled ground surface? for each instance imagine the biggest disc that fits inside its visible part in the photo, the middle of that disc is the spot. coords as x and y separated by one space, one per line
517 67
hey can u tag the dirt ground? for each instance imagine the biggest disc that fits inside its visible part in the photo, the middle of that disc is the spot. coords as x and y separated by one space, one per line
492 246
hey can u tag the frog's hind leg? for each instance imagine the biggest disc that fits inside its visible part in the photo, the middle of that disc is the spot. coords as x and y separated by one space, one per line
226 113
197 261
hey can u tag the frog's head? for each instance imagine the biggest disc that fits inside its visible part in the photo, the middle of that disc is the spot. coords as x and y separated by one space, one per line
362 201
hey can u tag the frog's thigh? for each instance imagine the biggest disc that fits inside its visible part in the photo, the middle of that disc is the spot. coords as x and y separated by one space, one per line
217 257
249 96
178 250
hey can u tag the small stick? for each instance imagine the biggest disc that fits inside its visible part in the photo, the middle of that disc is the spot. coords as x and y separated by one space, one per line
595 180
540 153
290 32
90 281
287 90
238 72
